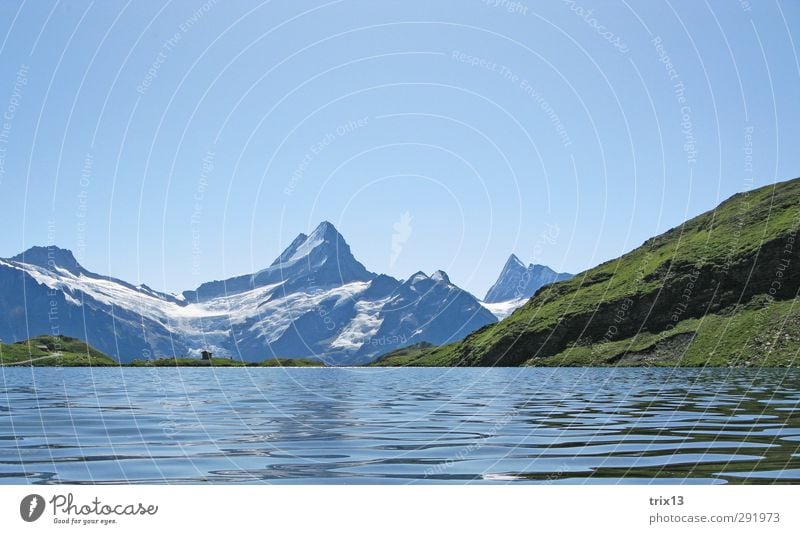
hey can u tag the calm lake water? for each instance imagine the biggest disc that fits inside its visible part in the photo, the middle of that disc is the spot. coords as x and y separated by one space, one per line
400 426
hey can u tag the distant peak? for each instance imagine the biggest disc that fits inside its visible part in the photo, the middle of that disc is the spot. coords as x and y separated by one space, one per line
514 260
516 281
441 276
49 257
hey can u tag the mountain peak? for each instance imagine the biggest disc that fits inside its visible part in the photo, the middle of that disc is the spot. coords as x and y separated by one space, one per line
325 228
440 276
320 245
50 257
321 258
516 281
513 260
416 277
302 245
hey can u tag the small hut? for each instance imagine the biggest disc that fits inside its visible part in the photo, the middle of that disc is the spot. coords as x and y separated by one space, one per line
206 355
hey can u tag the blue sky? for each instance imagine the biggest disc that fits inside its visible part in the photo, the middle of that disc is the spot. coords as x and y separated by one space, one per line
179 142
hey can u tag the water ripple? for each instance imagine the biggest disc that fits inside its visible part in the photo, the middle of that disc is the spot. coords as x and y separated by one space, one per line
401 426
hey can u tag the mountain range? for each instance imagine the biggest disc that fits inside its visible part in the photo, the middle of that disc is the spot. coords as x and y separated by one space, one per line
720 289
314 301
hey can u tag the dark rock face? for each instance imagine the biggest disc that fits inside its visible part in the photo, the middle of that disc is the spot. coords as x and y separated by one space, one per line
665 350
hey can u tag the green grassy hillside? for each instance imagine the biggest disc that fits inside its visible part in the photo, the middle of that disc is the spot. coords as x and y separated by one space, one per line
404 355
53 351
724 283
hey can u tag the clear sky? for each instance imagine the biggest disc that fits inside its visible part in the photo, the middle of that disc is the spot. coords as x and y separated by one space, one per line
172 143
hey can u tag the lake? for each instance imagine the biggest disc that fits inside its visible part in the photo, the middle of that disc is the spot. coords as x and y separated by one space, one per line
399 426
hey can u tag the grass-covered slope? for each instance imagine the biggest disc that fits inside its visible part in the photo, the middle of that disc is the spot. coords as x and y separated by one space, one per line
53 351
720 289
404 355
761 333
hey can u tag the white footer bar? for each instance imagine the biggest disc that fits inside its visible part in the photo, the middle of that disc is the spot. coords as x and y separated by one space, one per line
355 509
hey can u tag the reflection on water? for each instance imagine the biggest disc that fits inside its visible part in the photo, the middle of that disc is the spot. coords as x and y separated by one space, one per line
502 426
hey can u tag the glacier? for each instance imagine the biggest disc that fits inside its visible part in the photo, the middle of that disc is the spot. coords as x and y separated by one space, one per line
314 301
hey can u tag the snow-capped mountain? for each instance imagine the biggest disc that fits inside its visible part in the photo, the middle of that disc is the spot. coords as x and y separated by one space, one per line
315 300
516 284
322 258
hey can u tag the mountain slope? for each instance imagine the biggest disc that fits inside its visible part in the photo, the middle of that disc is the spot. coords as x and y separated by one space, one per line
734 265
426 309
44 290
